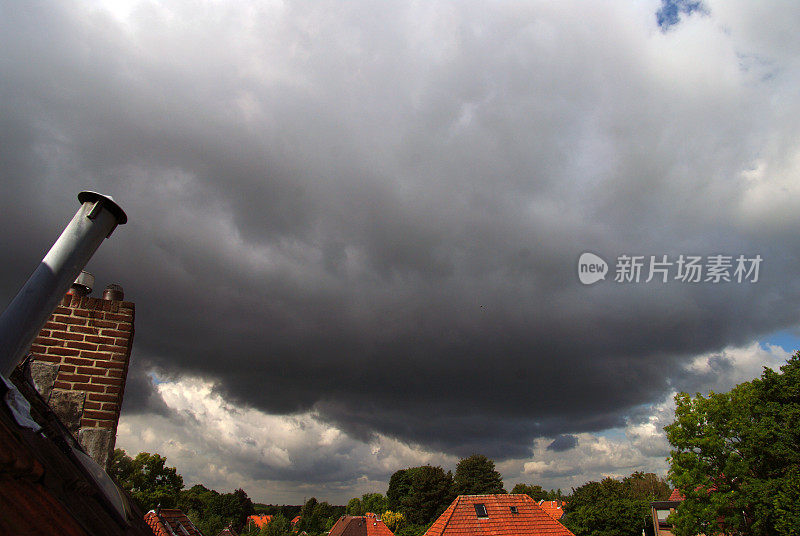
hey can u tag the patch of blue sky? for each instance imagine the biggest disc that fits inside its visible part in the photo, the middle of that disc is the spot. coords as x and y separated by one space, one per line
614 434
670 12
789 340
155 379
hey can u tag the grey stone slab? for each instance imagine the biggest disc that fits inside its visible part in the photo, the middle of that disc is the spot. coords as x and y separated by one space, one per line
44 377
98 443
68 405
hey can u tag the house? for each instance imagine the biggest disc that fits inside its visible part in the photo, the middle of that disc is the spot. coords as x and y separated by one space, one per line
366 525
554 508
227 531
295 520
661 510
170 522
506 514
259 521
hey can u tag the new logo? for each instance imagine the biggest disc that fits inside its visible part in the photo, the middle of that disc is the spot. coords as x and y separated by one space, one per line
591 268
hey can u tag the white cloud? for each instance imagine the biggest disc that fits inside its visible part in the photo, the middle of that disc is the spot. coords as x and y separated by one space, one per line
275 458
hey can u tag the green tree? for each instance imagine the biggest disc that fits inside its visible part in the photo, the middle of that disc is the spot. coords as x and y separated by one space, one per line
605 508
210 524
399 488
278 526
316 517
306 522
411 529
735 457
147 478
648 486
476 475
430 493
208 506
374 503
355 507
537 493
120 466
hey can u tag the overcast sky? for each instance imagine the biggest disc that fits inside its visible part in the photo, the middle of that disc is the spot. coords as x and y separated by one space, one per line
354 227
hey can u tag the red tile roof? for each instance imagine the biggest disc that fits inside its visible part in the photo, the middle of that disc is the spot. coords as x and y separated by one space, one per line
676 496
295 520
554 508
171 522
260 521
368 525
461 519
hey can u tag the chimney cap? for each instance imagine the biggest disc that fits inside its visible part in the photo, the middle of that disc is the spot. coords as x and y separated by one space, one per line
83 284
107 202
113 291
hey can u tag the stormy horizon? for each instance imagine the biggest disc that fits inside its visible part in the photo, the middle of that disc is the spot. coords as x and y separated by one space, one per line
356 231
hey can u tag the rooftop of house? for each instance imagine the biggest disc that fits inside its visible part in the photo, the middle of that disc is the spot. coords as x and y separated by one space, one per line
170 522
676 496
295 520
367 525
498 515
260 520
554 508
48 484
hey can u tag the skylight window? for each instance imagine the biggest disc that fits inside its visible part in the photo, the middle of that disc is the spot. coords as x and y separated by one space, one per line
514 510
480 510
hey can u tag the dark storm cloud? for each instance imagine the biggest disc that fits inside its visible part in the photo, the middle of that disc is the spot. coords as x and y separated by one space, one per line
381 221
563 442
140 395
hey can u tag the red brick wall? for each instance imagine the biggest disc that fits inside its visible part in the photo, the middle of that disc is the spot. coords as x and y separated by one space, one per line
90 340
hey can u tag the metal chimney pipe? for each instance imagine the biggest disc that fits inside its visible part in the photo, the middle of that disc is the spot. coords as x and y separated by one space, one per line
22 320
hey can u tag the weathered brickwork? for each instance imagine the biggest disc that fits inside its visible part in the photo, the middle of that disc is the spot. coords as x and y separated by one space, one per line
90 340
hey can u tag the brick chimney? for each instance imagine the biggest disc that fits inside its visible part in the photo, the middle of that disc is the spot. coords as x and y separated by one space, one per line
80 362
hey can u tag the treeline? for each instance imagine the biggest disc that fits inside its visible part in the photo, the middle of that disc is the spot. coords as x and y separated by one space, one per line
611 506
151 483
415 497
315 518
289 511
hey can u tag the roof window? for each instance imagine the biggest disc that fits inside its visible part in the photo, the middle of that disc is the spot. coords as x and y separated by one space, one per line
480 510
514 510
